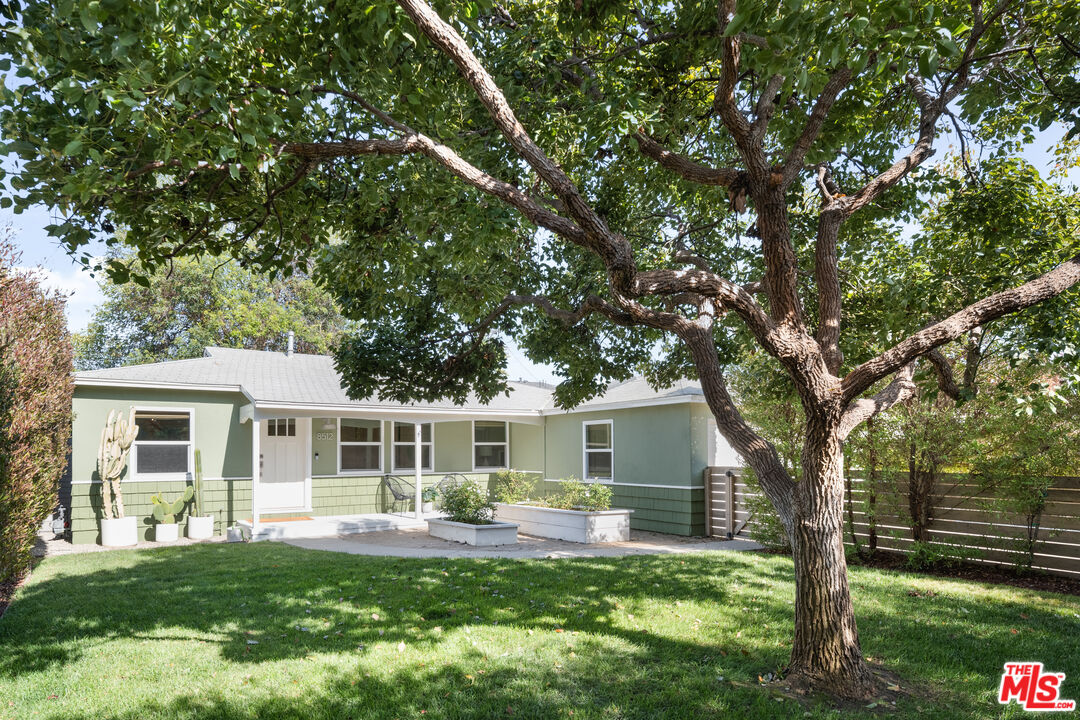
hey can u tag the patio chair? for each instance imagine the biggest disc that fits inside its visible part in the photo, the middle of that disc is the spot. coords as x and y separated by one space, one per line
451 480
400 489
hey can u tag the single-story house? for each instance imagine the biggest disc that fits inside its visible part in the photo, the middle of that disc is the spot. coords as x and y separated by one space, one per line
280 438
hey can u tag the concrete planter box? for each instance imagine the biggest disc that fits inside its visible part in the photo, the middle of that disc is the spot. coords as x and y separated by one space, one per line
497 533
119 532
200 528
581 526
166 532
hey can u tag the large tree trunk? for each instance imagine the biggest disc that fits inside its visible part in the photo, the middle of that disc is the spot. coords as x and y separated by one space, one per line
825 654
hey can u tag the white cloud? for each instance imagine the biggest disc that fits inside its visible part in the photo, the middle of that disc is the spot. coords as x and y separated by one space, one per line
73 282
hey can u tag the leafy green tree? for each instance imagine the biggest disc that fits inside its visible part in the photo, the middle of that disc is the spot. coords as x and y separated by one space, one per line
196 302
575 173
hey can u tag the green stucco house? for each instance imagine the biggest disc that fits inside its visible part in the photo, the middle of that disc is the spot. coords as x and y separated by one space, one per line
279 438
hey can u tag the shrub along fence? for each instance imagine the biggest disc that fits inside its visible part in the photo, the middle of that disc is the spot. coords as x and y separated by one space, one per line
969 518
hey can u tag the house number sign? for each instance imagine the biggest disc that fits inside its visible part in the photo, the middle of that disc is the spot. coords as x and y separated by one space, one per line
324 436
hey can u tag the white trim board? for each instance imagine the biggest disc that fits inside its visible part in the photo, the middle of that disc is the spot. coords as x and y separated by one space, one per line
648 485
136 482
150 385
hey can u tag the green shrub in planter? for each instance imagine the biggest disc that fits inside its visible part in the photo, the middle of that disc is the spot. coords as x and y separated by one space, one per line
468 503
576 495
513 486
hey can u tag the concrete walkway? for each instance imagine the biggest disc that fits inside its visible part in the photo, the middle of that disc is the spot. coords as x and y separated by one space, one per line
416 543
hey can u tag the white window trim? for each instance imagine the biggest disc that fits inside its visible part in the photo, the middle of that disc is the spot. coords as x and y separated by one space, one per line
381 445
133 461
275 420
394 444
506 444
585 451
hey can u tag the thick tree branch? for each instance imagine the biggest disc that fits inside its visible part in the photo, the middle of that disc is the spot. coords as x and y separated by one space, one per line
943 369
683 166
758 452
724 103
727 294
418 143
1046 286
763 110
900 389
793 164
613 249
592 304
827 279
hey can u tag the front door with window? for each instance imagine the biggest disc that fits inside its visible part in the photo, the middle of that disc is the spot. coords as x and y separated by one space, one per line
282 485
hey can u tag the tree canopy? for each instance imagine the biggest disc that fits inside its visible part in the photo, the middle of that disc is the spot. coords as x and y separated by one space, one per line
617 185
196 302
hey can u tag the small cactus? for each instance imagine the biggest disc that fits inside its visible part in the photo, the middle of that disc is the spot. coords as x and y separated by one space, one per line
165 511
116 441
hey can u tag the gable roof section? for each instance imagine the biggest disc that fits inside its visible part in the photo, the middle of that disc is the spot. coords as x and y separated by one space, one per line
273 378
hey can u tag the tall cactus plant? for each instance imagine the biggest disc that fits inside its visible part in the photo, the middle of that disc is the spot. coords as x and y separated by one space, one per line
116 441
197 506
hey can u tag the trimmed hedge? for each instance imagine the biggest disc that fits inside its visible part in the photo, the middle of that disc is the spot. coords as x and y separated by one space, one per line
35 407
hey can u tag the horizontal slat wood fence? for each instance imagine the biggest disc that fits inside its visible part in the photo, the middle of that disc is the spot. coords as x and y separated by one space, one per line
966 523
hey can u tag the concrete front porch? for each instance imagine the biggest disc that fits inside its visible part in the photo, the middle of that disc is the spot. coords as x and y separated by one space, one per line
330 526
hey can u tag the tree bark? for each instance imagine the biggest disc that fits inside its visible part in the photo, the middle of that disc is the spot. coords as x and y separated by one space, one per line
825 653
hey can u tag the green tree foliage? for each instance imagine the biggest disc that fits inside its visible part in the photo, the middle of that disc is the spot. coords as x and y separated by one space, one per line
196 302
576 174
35 408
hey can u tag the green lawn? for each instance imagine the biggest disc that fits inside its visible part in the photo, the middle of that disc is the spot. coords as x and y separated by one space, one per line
271 631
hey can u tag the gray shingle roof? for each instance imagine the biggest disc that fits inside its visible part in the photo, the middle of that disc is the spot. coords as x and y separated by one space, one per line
273 377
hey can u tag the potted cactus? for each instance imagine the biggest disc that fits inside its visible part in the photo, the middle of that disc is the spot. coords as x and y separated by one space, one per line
200 524
165 512
116 529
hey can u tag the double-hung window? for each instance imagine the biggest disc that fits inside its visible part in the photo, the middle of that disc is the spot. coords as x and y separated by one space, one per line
490 445
360 445
599 450
162 448
405 447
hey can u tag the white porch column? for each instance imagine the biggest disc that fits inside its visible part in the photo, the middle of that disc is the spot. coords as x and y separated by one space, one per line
418 446
256 472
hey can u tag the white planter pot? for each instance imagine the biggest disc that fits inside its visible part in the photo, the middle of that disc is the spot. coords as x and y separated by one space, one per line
428 507
581 526
497 533
235 534
200 528
119 532
166 532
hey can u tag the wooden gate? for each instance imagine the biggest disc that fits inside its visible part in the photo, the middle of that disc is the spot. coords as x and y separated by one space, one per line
726 512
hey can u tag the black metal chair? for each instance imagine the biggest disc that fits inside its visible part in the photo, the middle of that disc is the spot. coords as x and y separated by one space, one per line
400 489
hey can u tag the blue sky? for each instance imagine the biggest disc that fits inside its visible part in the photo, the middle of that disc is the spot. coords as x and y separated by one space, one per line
60 272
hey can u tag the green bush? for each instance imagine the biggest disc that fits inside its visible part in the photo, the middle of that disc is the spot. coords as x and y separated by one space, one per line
927 556
513 486
468 503
764 525
576 495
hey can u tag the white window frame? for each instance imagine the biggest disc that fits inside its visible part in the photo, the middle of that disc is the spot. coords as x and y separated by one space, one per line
506 444
394 444
585 451
190 442
276 422
380 444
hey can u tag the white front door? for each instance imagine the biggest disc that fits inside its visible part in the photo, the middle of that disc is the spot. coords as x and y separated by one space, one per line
282 483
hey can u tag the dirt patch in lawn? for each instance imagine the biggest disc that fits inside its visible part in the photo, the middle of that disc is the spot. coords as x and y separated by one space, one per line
1032 580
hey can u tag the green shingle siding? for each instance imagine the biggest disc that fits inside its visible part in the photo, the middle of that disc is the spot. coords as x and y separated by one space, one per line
661 445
